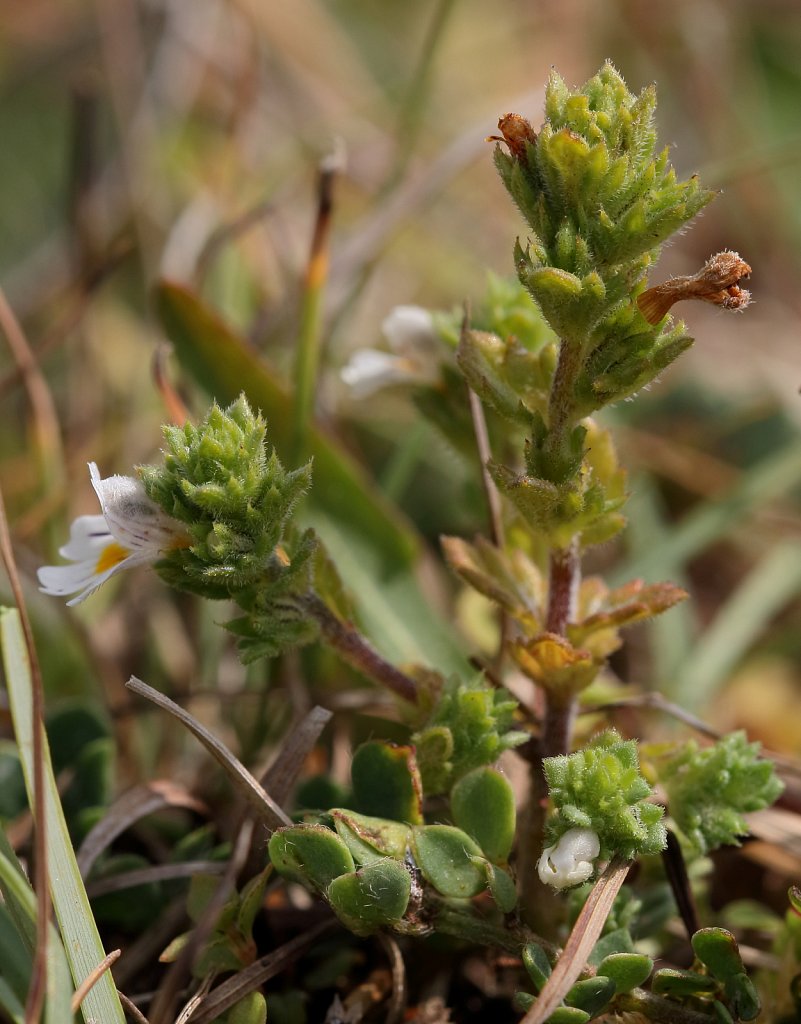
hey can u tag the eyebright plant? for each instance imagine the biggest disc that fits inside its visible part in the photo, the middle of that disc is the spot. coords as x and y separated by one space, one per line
431 823
709 789
600 789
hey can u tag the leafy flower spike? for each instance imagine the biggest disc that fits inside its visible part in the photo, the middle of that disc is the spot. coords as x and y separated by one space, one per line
132 530
601 789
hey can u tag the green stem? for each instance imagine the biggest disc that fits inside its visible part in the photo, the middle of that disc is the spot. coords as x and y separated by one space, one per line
475 929
561 398
655 1008
308 355
356 650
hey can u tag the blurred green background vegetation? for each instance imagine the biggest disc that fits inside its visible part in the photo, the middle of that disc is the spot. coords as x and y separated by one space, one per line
144 139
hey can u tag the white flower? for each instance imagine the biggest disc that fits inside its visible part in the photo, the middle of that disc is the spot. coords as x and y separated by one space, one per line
132 530
570 861
415 357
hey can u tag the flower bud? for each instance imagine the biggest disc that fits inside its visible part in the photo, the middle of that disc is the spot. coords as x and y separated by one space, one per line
571 860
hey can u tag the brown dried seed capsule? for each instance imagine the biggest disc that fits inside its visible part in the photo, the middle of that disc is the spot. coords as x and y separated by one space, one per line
516 132
718 282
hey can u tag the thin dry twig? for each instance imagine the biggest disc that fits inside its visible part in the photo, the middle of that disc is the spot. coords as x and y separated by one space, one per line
92 979
238 986
281 775
397 1000
156 873
162 1009
586 932
135 804
196 999
143 951
132 1009
653 702
262 803
42 404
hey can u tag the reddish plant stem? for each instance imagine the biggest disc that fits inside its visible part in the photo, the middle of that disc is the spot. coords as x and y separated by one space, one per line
565 574
541 907
353 648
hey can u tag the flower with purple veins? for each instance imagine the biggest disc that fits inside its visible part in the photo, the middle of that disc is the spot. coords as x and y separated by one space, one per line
132 530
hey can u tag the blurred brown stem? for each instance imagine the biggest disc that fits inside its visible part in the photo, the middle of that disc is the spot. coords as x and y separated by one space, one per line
353 648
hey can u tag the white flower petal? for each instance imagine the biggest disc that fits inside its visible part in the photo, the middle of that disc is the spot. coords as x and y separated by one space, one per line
88 535
132 531
84 577
134 520
370 370
410 332
571 860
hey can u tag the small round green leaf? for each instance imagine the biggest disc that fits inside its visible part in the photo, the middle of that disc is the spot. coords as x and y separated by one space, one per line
311 854
617 941
670 981
568 1015
250 901
386 782
250 1010
368 838
537 964
501 886
219 955
591 994
717 949
202 889
376 895
449 860
483 805
743 997
523 1001
627 970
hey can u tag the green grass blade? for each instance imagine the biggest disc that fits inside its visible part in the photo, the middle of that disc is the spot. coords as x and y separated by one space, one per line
774 581
59 987
224 365
671 634
15 963
392 610
769 479
17 912
81 939
10 1004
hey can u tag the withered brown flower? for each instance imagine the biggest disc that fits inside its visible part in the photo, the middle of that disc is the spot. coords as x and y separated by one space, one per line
718 281
516 132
